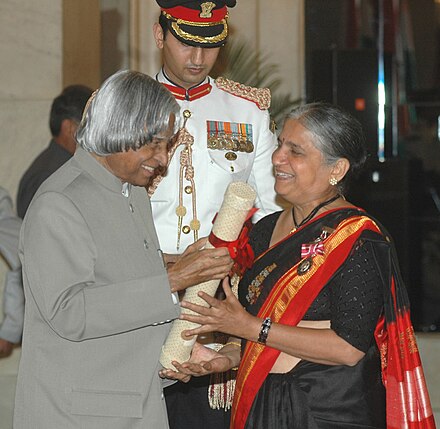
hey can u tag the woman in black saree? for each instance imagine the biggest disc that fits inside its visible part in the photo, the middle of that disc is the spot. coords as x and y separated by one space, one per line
321 331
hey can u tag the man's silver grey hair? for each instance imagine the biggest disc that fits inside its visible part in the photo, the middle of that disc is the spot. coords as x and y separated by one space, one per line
127 112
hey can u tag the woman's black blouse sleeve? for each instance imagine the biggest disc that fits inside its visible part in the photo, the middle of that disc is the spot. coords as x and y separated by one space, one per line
357 297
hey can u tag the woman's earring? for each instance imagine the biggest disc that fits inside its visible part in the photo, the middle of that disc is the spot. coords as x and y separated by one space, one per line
333 181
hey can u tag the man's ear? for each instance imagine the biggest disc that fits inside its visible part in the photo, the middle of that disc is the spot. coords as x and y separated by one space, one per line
66 138
68 127
158 35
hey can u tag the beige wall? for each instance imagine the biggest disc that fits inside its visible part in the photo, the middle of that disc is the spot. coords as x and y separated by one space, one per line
34 69
30 76
81 48
277 32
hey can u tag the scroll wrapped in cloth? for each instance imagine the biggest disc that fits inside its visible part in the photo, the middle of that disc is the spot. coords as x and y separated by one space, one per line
237 204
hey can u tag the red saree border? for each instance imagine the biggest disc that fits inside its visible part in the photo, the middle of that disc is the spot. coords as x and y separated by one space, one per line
407 399
257 360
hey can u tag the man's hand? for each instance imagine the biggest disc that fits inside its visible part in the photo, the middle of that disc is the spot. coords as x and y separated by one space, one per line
203 361
197 265
170 259
6 348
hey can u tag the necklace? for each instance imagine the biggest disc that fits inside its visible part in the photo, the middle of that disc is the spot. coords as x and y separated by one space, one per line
312 213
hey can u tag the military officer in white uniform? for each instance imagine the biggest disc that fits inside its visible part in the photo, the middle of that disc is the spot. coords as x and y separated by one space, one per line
225 137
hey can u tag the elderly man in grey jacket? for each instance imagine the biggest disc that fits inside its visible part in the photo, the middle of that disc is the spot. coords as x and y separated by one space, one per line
13 299
99 296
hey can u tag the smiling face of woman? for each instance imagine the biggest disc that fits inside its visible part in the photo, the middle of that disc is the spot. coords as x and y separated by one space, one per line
302 176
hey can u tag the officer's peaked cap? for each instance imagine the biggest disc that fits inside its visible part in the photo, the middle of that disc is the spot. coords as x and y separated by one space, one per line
197 23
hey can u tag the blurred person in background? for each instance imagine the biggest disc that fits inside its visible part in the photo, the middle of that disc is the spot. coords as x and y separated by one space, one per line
13 299
65 115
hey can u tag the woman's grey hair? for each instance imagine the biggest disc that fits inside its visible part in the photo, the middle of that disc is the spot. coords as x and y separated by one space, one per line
337 135
127 112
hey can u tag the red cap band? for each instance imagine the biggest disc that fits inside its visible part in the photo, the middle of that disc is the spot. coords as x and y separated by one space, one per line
193 15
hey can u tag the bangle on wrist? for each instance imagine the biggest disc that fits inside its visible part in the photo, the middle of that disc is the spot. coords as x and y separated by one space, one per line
264 331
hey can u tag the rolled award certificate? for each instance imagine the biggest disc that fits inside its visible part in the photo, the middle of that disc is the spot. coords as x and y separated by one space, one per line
238 200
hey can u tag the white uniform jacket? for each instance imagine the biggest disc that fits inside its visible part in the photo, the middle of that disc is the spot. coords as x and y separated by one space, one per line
214 112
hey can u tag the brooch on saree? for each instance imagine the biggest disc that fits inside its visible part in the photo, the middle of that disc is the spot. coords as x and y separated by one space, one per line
308 250
311 249
316 247
304 266
254 288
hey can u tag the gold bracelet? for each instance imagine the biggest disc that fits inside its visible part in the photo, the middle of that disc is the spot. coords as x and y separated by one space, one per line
233 343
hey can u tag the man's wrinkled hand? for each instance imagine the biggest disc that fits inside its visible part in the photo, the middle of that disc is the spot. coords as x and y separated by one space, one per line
6 348
203 361
197 265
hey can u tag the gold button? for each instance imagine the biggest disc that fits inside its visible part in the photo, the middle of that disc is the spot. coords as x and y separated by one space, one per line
186 229
230 156
186 114
188 189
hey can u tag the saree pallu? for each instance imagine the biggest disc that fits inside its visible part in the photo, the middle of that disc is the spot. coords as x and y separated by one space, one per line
408 404
294 283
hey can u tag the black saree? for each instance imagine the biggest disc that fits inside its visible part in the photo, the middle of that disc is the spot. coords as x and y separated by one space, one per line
310 395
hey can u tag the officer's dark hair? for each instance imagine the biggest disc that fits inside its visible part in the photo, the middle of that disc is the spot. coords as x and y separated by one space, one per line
164 24
68 105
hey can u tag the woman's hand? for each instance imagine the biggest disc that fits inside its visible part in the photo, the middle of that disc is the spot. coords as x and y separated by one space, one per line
203 361
227 316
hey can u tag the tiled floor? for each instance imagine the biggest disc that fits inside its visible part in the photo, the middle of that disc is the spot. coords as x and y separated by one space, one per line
429 345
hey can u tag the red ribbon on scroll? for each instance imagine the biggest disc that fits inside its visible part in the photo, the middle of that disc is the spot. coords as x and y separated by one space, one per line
240 250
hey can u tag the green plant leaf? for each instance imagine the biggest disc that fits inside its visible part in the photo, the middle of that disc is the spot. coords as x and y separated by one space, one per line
240 62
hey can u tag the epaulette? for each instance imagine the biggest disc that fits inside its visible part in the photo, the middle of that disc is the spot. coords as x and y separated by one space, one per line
259 96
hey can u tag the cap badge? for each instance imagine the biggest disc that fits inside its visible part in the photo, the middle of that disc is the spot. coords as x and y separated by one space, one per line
207 9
